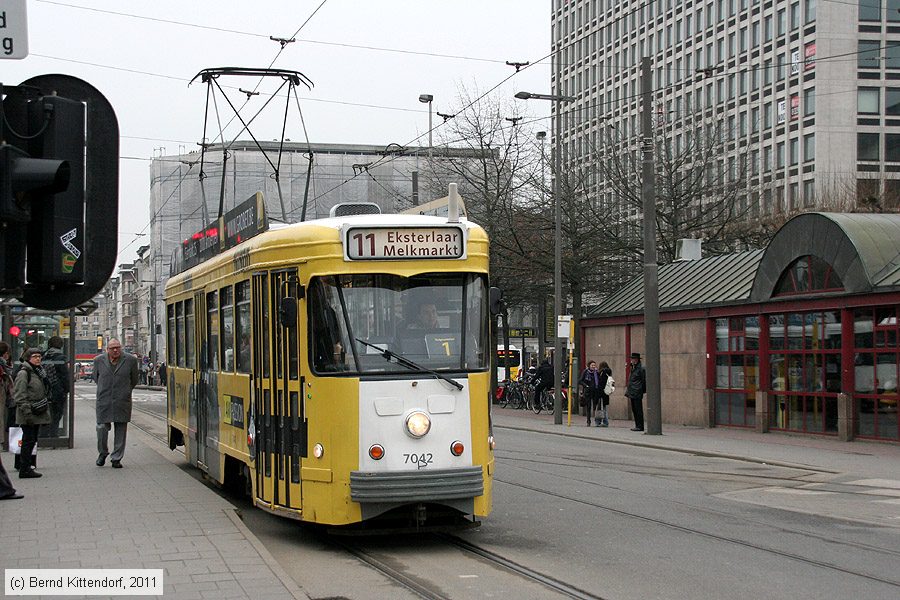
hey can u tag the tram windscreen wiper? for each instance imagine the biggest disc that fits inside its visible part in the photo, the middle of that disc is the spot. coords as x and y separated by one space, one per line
388 355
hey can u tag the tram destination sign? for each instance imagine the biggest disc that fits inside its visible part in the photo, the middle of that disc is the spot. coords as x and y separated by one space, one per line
404 243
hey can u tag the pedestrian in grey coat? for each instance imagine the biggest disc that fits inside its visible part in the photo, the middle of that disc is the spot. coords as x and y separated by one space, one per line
116 374
30 388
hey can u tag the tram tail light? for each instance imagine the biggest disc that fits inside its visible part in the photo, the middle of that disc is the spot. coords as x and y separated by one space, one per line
376 451
457 448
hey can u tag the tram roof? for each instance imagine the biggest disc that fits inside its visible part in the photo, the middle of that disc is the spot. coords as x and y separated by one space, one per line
862 248
375 220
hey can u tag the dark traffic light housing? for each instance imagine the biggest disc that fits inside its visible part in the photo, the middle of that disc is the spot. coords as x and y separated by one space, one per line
59 152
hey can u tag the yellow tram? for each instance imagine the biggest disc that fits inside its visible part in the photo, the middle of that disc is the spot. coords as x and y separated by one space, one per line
337 368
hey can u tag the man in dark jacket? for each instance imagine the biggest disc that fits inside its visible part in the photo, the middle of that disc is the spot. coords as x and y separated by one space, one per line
637 387
116 374
56 367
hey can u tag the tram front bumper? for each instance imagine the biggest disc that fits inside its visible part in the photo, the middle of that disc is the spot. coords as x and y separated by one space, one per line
401 487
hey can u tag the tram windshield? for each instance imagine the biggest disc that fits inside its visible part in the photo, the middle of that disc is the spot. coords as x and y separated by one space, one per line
438 321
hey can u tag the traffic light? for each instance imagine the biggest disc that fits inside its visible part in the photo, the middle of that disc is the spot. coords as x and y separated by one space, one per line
15 330
23 180
58 191
56 229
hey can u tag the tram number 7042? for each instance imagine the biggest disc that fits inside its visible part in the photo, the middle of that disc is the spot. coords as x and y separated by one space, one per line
420 460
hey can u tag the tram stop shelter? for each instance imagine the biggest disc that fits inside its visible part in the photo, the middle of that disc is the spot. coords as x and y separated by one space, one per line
801 336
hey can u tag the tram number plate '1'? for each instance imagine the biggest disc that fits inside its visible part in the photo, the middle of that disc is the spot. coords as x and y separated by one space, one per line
420 460
404 243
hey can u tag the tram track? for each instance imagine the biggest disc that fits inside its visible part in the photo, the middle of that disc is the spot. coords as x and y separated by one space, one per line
718 537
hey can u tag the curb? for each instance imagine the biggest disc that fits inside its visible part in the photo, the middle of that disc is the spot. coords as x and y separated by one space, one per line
704 453
295 590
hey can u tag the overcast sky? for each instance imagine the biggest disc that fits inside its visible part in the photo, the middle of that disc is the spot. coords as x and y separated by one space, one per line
369 60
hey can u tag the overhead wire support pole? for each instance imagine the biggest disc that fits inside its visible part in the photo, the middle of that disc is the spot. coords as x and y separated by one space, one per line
651 283
557 246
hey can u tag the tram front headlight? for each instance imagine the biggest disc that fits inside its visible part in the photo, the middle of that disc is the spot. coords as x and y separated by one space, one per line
318 450
418 424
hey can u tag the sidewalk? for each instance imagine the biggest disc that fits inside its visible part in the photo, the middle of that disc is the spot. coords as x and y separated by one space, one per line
826 454
150 514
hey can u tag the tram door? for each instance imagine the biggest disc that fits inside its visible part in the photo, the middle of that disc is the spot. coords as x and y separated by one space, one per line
281 430
197 409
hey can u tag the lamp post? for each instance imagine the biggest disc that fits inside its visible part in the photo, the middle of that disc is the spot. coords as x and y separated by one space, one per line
542 309
557 247
428 99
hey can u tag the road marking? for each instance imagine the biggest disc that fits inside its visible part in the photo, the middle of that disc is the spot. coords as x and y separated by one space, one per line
891 501
797 492
468 576
881 483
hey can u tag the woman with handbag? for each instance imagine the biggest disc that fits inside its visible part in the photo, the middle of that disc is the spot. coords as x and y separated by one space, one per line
31 390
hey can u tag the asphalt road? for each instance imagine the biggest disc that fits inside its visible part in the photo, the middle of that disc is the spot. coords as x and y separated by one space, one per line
619 522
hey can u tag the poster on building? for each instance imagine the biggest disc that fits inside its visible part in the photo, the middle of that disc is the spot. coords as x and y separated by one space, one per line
795 62
810 56
782 107
795 107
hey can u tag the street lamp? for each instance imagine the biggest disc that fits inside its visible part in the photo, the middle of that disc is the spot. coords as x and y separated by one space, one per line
542 309
557 245
428 99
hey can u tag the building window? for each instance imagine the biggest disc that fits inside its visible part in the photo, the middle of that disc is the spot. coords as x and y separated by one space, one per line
868 52
737 370
893 10
768 31
892 101
782 22
809 147
805 370
810 11
795 15
869 10
868 101
795 151
892 147
809 102
808 274
876 370
779 155
795 196
809 193
867 146
892 55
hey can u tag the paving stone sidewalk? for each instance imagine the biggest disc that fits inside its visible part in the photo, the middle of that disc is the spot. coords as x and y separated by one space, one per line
150 514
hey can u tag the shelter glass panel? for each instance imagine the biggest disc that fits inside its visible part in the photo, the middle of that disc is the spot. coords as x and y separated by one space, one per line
876 369
737 370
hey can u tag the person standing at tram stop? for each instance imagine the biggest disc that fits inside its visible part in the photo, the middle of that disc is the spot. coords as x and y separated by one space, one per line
116 374
637 387
602 416
31 390
56 367
7 491
590 381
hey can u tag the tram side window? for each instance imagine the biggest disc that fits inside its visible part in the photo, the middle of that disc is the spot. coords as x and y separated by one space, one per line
212 331
179 336
227 328
189 352
242 325
170 346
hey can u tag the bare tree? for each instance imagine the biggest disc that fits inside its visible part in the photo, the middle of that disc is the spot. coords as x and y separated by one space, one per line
705 188
493 178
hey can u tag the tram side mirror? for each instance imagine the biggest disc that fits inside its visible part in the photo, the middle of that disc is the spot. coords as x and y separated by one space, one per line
287 312
495 299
